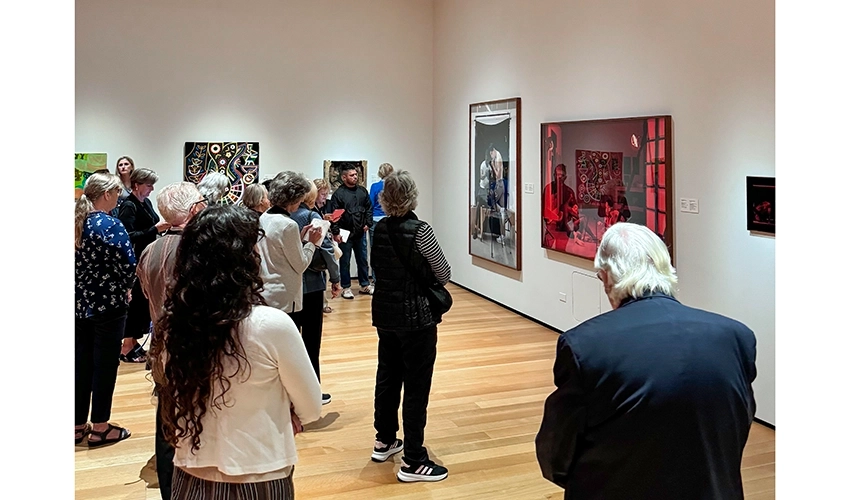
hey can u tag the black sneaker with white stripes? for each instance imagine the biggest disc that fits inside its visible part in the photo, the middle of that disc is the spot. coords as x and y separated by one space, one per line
382 451
421 471
326 398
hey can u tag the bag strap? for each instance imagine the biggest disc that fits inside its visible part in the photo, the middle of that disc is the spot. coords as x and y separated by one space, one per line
404 262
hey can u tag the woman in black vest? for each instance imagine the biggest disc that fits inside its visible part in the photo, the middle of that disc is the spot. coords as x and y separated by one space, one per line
406 258
143 225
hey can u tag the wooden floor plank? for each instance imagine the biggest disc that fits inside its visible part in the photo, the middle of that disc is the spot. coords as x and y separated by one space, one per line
493 372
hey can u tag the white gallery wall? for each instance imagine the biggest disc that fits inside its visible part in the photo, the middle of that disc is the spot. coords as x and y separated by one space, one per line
310 80
709 65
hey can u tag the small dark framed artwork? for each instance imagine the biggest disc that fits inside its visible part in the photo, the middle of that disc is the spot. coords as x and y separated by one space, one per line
761 204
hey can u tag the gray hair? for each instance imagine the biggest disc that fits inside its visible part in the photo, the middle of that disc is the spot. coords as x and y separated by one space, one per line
97 185
214 186
637 262
175 202
384 170
253 195
143 176
287 188
399 195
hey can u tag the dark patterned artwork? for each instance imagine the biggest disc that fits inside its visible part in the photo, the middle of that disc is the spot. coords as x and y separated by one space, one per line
239 161
761 204
597 171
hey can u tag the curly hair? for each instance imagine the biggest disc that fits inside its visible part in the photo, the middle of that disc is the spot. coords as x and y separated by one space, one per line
216 283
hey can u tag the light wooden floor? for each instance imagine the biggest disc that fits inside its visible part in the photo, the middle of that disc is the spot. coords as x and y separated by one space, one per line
493 372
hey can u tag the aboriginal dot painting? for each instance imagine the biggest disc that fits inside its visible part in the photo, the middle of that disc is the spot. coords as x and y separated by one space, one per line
239 161
597 171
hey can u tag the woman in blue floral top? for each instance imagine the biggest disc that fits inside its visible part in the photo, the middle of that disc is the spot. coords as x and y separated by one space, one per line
105 267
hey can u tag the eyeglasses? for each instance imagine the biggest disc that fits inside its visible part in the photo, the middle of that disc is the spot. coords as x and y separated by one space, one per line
599 275
202 200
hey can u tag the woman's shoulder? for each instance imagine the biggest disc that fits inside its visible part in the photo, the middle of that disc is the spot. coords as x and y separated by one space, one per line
270 320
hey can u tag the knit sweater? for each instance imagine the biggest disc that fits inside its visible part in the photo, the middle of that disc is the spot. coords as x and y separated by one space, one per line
283 260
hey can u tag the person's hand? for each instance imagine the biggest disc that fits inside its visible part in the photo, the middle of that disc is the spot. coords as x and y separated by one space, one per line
162 226
304 231
365 229
314 235
336 289
337 238
328 217
129 295
296 422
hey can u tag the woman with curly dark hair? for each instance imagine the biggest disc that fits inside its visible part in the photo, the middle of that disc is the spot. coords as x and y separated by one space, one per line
236 371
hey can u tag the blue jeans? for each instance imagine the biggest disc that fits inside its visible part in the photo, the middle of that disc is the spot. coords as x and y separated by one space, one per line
359 246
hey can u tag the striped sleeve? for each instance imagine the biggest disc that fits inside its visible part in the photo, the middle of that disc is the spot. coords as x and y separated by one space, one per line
427 245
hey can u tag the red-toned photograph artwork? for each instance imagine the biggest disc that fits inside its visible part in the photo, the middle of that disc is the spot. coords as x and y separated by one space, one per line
600 172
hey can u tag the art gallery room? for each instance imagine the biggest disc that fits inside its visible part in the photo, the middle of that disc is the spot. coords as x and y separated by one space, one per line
660 113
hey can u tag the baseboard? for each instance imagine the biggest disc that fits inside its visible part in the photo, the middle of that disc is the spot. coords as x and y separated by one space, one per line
762 422
509 308
766 424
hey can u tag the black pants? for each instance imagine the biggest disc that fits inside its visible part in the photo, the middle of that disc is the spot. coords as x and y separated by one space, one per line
404 359
97 345
164 458
309 320
139 314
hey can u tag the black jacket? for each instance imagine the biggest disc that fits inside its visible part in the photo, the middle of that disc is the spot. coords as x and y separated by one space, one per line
140 221
654 400
399 302
357 205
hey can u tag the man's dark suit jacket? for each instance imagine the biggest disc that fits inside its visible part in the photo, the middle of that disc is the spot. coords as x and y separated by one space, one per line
653 401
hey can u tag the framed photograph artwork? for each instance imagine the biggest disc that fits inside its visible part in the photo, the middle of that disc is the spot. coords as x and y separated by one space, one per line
494 180
761 204
332 170
599 172
239 161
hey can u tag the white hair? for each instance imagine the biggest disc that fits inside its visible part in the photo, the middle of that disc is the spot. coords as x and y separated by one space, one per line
175 202
214 186
637 262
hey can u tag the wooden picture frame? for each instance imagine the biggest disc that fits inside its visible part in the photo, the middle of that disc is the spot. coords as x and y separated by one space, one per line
596 173
495 207
333 168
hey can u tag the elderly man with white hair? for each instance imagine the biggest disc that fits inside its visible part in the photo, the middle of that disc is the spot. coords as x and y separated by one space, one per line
178 203
654 399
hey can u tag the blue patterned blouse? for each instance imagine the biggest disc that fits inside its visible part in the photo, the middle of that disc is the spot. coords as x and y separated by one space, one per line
105 266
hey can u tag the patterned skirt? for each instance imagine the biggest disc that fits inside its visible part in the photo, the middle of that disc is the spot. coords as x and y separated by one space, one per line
188 487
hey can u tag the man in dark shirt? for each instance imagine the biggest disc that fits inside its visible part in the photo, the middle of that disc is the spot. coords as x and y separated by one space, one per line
654 399
357 219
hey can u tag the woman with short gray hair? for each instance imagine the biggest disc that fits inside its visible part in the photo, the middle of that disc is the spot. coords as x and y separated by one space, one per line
214 187
408 259
283 256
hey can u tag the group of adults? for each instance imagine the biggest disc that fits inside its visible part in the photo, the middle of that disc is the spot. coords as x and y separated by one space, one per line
236 298
653 399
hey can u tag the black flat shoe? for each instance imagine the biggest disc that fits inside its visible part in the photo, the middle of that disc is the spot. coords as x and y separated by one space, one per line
82 434
122 435
136 355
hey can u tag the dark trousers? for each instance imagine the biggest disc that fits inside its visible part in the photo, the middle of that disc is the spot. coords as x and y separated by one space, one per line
309 320
97 346
404 359
164 458
139 314
358 245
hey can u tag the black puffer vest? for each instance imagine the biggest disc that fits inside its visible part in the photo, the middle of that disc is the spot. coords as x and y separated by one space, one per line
398 302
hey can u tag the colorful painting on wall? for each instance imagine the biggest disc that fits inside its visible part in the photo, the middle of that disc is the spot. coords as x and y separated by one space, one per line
239 161
333 168
622 172
86 164
494 178
761 204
